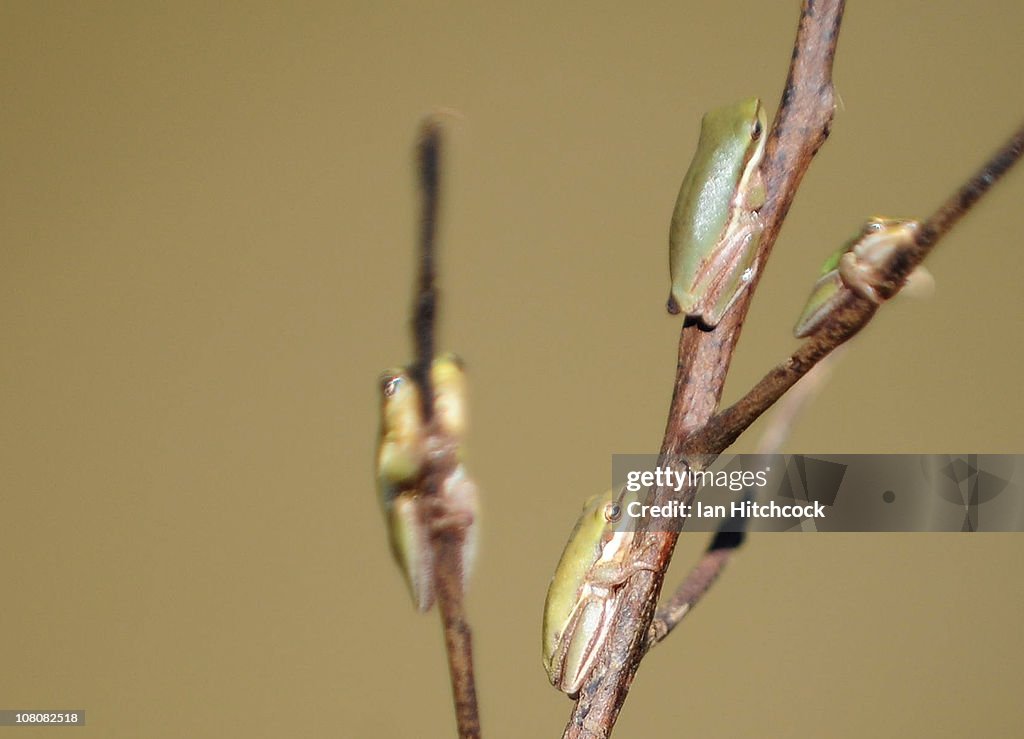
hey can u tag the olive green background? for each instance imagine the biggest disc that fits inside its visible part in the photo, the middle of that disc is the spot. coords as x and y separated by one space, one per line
207 225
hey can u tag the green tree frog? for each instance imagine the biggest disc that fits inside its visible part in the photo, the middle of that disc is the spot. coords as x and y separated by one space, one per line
716 226
859 265
403 447
584 592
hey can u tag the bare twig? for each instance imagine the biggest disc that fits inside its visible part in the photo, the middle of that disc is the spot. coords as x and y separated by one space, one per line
424 310
732 532
855 312
698 581
446 539
799 129
785 415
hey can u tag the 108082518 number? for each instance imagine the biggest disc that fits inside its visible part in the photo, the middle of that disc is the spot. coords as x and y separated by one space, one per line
46 718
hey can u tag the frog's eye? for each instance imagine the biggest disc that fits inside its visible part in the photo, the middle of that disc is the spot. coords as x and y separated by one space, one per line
612 512
756 130
389 384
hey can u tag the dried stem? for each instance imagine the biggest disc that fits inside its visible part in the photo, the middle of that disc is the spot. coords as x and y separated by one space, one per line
446 539
800 128
424 311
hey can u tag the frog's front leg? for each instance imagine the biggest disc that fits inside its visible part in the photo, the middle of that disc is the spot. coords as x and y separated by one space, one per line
613 574
860 277
457 503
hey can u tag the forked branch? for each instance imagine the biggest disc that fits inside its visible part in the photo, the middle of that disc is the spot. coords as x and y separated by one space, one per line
733 531
694 429
800 128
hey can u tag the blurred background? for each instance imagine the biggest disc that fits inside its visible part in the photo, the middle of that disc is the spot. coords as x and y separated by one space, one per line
208 222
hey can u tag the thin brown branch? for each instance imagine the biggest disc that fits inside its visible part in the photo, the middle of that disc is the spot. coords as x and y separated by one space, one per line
448 542
800 128
424 312
446 539
789 410
698 581
732 533
854 312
